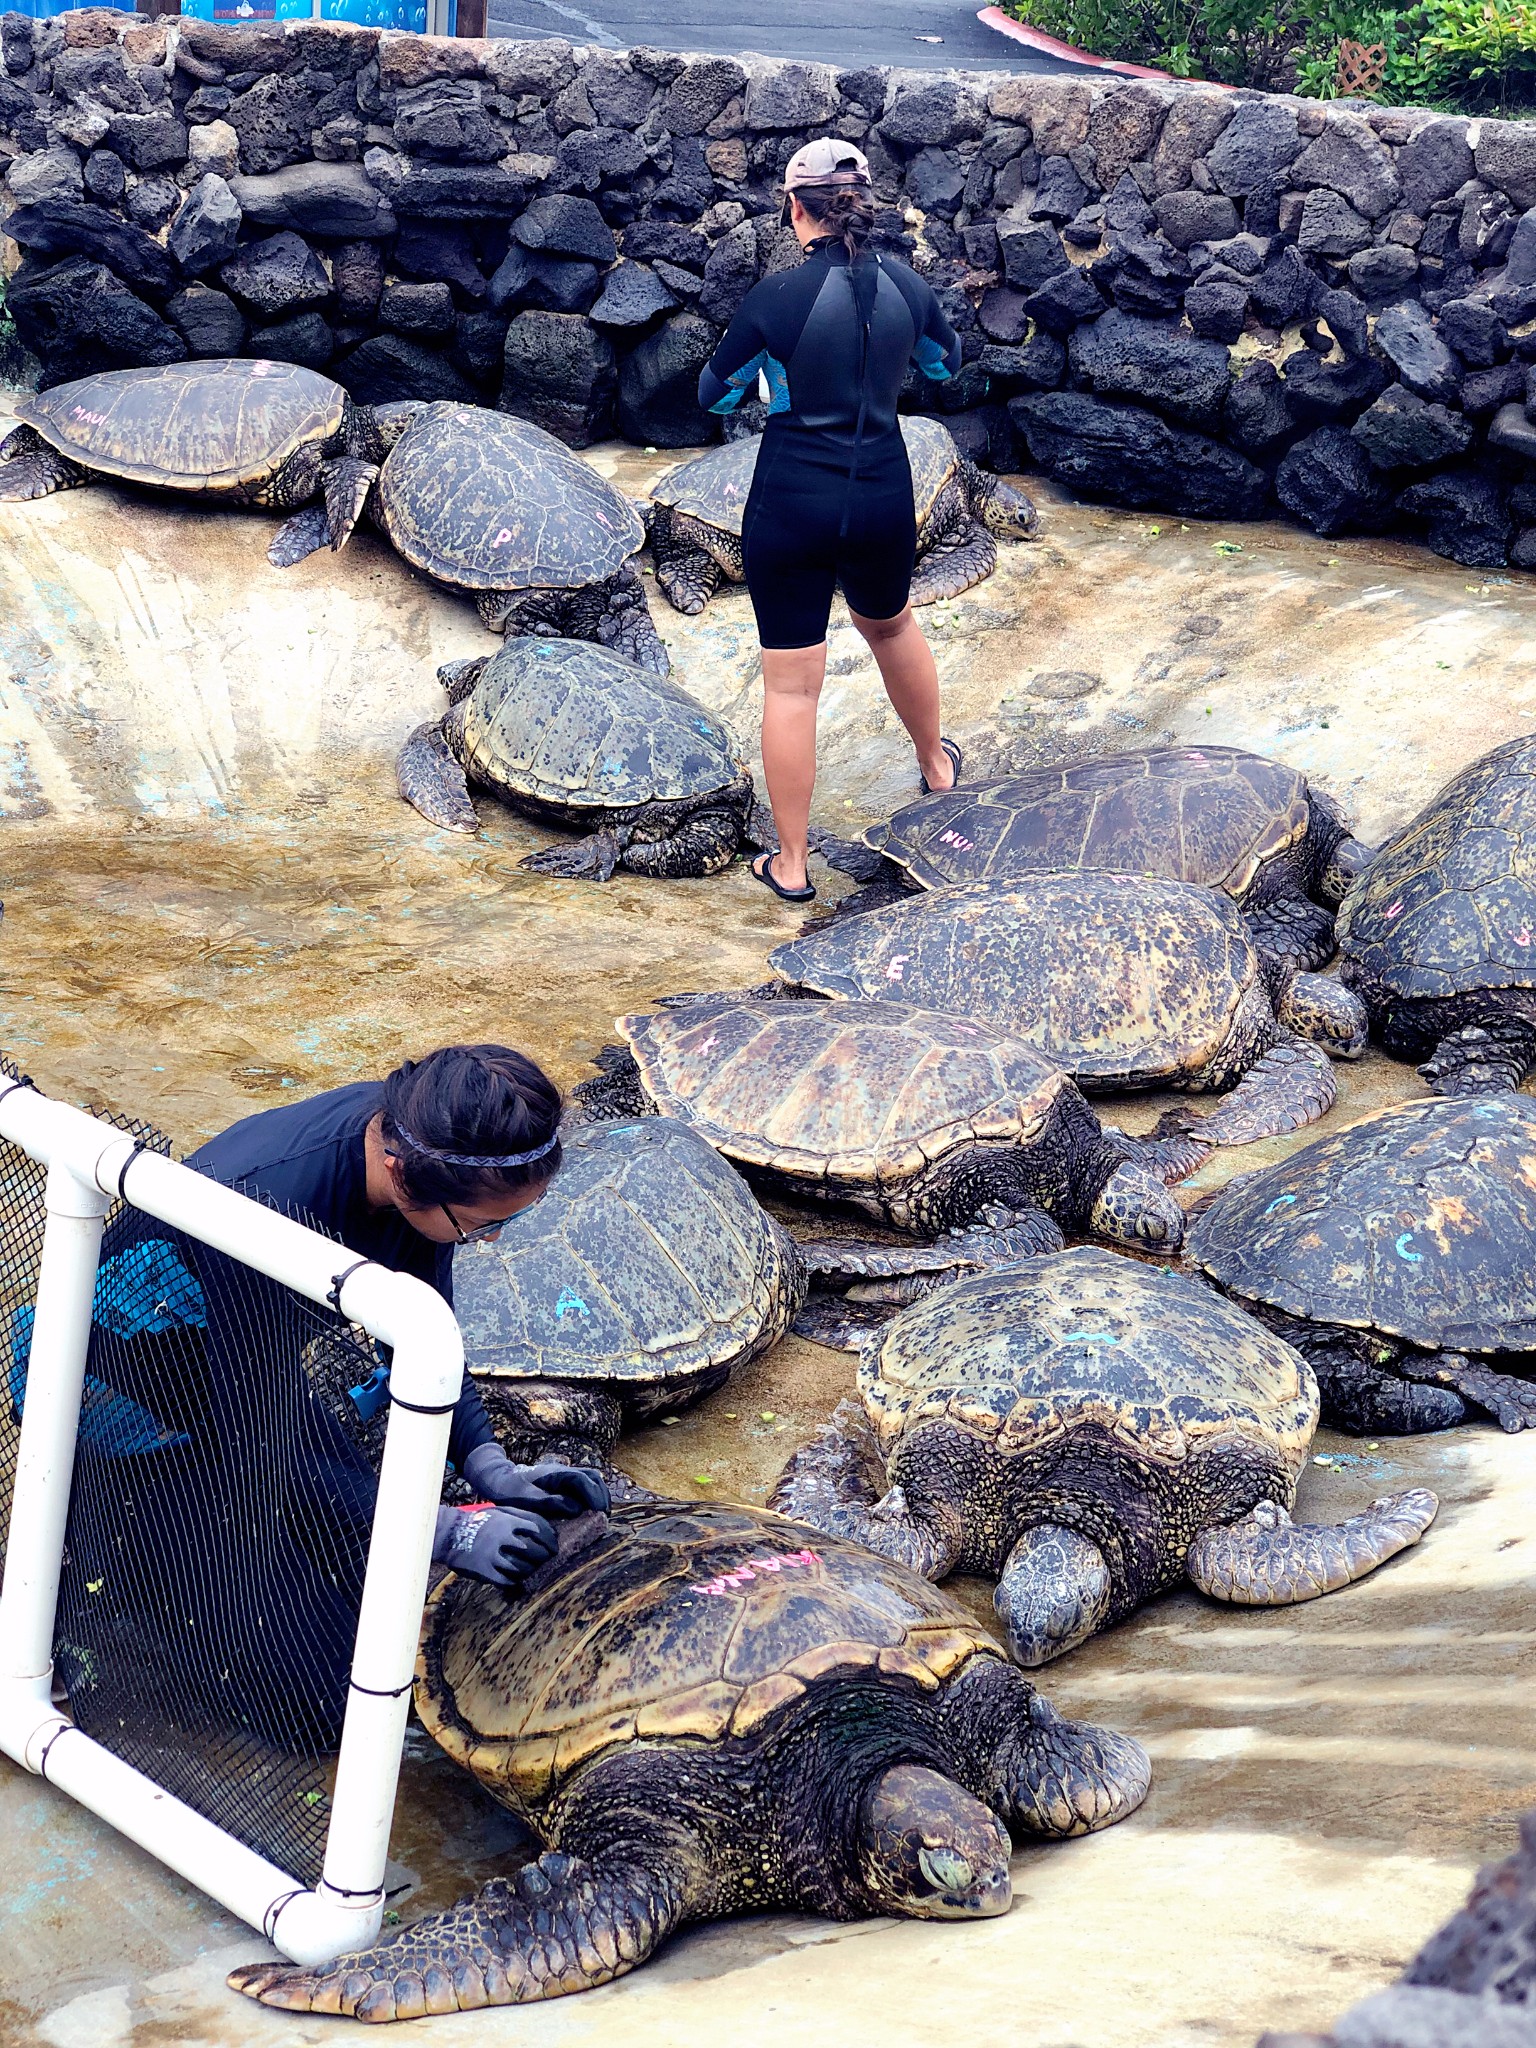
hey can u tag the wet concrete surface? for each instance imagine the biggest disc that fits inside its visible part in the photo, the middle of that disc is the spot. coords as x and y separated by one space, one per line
215 901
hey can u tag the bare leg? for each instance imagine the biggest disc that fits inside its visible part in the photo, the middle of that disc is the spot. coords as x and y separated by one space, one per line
912 683
792 679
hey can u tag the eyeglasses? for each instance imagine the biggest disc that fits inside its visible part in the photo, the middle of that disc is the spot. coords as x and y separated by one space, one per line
482 1232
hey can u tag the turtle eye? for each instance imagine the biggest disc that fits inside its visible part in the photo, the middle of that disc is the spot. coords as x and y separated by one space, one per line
946 1870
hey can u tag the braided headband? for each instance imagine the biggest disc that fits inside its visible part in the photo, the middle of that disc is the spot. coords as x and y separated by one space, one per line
493 1159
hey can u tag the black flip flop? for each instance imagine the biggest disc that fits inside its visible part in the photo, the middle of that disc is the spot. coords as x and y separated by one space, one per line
956 756
764 874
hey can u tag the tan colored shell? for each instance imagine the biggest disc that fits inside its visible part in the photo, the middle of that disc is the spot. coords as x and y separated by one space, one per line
862 1094
684 1624
1028 1354
199 426
713 487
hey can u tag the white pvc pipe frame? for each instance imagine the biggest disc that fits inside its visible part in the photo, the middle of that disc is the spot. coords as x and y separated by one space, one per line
89 1163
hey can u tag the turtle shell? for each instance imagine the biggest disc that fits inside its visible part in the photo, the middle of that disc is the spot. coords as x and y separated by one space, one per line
648 1258
685 1624
1418 1222
1211 815
1449 905
200 426
487 502
1154 1361
713 487
1113 977
862 1094
571 724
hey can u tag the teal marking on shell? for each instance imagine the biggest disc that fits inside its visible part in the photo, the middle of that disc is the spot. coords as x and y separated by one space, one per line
1413 1258
1278 1203
570 1302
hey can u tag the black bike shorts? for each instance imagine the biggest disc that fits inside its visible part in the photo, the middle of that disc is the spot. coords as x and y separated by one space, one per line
806 530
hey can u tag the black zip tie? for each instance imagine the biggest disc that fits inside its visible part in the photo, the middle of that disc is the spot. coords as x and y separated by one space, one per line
339 1280
390 1693
122 1193
342 1891
64 1728
274 1912
13 1082
416 1408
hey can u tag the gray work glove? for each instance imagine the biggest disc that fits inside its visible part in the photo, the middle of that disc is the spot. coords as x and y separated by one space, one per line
500 1545
558 1492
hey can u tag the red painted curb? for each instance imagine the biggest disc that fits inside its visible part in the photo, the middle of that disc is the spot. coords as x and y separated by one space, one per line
1053 46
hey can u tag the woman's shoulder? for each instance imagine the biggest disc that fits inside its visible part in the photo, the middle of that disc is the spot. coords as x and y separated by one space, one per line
911 282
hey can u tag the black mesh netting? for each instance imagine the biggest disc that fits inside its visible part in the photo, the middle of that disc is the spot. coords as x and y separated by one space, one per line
230 1433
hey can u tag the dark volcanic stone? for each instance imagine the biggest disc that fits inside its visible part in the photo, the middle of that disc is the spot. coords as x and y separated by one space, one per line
936 114
559 373
632 296
1322 394
1065 302
561 225
1400 431
479 345
441 252
1346 320
658 386
648 240
317 199
445 118
274 121
1039 365
1032 256
461 192
151 203
1327 482
45 174
1284 289
1061 193
1380 273
1520 256
357 275
59 227
1434 164
1189 217
210 323
589 158
552 284
1254 147
699 93
1511 429
417 309
75 316
1155 363
1217 311
1349 158
1406 336
104 176
1127 456
1484 391
149 141
935 182
207 229
276 276
1002 315
1475 331
1256 417
729 274
1330 226
387 366
1468 521
304 339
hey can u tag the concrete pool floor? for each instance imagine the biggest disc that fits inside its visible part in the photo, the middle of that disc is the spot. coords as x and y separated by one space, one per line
214 899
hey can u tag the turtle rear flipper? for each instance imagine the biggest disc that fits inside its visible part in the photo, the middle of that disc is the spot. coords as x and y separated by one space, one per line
1510 1401
431 779
835 1483
558 1925
297 538
688 574
958 561
346 483
1367 1400
592 859
1480 1059
700 845
1290 1085
1267 1560
30 468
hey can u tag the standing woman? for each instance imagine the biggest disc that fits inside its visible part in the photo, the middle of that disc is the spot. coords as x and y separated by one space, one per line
831 499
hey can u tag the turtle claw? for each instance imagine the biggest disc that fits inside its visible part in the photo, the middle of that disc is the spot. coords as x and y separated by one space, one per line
299 537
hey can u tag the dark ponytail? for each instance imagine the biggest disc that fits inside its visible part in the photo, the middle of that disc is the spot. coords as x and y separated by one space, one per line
461 1122
845 212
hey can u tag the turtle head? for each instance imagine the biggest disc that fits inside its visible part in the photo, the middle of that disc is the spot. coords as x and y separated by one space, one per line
1007 512
930 1850
373 430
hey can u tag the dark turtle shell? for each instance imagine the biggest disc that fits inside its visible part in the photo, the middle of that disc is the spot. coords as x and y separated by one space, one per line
713 488
1153 1364
1211 815
568 723
1110 976
1419 1222
487 502
861 1094
648 1258
681 1624
1449 905
201 426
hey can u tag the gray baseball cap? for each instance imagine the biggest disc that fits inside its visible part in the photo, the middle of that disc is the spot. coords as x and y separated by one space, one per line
826 161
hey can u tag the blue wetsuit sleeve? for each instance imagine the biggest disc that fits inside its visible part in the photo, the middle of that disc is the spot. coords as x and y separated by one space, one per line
937 352
732 370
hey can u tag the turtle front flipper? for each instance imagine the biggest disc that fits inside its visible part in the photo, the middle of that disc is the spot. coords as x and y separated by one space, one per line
1323 1011
431 778
1267 1560
1480 1059
1054 1593
1287 1087
835 1483
1043 1774
1293 932
956 563
557 1925
297 538
30 468
592 859
346 482
688 574
1509 1400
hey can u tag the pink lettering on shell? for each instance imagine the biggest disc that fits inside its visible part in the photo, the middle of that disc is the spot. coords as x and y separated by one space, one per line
1394 909
502 538
94 419
953 838
743 1574
898 967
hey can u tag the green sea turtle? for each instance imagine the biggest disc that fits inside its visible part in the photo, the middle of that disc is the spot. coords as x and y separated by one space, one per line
1400 1256
696 510
712 1711
1089 1431
924 1123
1438 937
232 432
490 505
1126 982
576 734
1253 828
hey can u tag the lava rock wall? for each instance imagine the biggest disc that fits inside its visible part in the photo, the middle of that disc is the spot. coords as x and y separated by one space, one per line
1202 302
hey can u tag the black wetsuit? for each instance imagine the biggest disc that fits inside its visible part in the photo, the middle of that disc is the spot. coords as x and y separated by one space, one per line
831 500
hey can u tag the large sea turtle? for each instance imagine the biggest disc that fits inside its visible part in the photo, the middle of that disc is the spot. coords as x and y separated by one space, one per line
925 1123
1125 982
1253 828
232 432
640 1281
696 510
1400 1257
1439 935
582 737
714 1711
1089 1431
490 505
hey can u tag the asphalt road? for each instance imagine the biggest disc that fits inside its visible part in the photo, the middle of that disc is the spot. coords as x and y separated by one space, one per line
841 32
